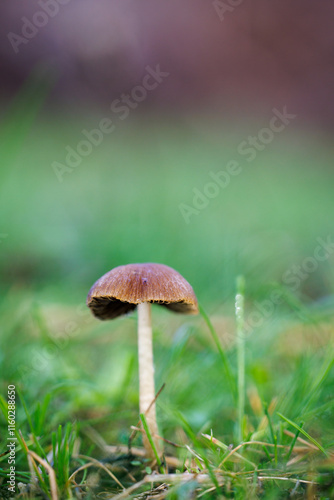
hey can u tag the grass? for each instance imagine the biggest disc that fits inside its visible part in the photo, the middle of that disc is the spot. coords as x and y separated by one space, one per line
75 415
245 412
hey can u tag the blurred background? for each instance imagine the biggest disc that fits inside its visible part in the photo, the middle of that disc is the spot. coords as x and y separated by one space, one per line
66 65
198 134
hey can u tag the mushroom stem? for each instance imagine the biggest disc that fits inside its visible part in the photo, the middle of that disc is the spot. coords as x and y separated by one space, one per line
146 375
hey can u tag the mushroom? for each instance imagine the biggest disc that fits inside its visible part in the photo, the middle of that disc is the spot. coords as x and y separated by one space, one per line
123 289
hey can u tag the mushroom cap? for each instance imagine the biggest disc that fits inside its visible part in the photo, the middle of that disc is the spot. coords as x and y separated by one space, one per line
121 289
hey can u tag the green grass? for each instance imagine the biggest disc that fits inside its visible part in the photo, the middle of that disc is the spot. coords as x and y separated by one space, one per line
245 412
85 398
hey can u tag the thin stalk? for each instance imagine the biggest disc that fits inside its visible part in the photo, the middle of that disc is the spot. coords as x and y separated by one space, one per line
146 376
151 440
239 313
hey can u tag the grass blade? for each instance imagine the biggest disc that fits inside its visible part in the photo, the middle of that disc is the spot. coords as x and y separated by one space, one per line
149 437
222 354
26 410
293 442
301 430
239 314
273 435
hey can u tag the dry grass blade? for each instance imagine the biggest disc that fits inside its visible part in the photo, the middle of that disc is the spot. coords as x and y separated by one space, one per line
128 491
261 443
199 478
93 462
301 440
82 467
177 478
278 478
33 476
225 448
194 454
165 479
299 458
52 475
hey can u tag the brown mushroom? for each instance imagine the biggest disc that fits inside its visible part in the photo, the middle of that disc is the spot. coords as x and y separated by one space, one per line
123 289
